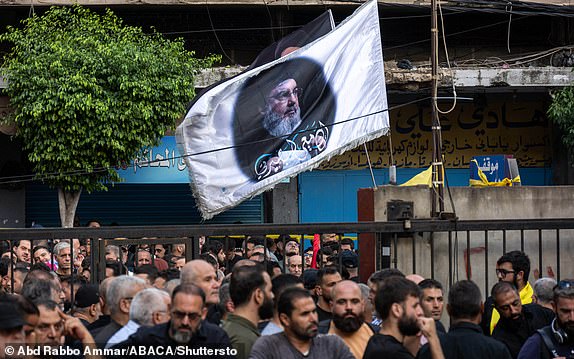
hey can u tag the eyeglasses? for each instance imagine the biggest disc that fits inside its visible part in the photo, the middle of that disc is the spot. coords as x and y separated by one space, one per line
181 315
287 94
503 272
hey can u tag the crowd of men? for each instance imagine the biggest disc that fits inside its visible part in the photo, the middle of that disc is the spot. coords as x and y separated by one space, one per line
262 299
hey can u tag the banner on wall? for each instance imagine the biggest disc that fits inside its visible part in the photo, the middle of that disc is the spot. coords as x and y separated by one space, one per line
274 121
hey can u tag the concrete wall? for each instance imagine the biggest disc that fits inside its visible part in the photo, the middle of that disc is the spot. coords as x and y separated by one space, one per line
285 202
484 203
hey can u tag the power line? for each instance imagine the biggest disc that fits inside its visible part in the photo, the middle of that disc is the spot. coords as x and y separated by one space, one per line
53 175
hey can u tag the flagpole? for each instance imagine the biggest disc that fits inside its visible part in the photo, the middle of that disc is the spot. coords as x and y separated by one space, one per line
437 194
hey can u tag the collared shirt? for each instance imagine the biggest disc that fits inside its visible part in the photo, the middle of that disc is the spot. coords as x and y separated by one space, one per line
123 334
525 298
271 328
356 341
242 334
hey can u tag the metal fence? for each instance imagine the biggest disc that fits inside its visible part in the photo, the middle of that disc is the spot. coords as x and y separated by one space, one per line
447 250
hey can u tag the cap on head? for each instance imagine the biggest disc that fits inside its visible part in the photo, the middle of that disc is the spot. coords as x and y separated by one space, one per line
86 296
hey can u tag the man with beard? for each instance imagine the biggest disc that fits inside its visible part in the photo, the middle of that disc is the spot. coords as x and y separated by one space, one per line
327 278
347 306
397 301
465 339
250 291
557 339
185 328
299 338
517 322
512 267
281 118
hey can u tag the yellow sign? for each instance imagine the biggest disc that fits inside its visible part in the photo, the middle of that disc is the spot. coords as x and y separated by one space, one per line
499 127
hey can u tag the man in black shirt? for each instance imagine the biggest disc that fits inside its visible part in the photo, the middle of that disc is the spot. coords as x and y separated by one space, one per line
326 279
186 329
397 302
465 339
517 322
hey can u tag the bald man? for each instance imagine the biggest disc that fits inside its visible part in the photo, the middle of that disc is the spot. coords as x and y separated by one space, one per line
415 278
202 274
347 306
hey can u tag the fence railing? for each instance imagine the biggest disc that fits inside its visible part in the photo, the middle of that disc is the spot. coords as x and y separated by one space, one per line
447 250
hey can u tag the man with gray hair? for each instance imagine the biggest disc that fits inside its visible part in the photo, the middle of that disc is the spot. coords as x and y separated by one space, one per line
113 253
119 296
544 292
149 307
202 274
64 258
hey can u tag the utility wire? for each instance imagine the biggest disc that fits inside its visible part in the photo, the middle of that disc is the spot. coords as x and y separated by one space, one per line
53 175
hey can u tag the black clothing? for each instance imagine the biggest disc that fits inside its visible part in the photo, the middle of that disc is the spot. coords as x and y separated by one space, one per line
323 315
387 347
231 263
513 333
105 333
536 348
487 315
466 341
101 322
208 336
214 314
439 327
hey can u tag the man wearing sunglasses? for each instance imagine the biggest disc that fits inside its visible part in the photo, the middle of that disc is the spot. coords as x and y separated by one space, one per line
512 267
186 328
557 339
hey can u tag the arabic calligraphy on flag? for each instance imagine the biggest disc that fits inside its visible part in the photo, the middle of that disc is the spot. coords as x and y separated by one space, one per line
276 120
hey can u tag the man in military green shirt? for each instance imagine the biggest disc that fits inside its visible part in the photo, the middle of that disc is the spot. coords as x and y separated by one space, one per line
250 291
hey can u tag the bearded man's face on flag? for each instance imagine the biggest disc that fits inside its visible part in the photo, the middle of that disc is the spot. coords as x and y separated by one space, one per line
282 113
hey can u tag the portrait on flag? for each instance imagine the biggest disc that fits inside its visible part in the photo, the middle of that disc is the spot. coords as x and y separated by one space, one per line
282 118
273 121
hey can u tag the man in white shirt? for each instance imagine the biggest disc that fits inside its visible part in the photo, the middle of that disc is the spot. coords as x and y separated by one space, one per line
149 307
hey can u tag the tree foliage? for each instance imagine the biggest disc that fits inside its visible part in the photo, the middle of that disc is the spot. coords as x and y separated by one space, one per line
89 92
561 112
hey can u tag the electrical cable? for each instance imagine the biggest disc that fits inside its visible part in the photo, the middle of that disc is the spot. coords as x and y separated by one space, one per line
449 67
508 30
52 175
215 33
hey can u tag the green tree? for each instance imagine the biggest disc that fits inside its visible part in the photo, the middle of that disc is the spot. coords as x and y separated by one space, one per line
89 92
561 112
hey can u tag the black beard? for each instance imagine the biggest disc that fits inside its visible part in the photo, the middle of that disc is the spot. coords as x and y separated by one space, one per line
304 335
349 324
512 323
568 328
265 311
408 326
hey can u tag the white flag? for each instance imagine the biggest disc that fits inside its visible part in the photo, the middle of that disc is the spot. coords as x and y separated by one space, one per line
245 135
